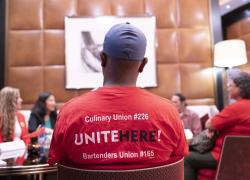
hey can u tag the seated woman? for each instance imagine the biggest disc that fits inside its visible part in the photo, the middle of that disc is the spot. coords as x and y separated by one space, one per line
233 120
12 122
43 113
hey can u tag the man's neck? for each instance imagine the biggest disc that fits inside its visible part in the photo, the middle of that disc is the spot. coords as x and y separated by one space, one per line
182 109
112 83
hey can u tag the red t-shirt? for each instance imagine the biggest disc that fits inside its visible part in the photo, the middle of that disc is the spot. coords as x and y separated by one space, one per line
233 120
24 129
117 128
25 135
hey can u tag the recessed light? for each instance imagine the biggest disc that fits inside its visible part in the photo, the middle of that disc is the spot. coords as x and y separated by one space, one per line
228 6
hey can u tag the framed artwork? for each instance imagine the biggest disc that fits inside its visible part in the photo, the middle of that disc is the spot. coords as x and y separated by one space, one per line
84 41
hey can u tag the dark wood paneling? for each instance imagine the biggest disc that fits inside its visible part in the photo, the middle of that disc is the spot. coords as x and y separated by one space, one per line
2 42
234 16
217 35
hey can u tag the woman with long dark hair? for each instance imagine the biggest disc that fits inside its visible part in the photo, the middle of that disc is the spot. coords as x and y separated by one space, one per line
44 113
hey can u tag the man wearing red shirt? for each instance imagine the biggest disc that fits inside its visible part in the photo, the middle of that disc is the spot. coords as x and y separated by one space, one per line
118 126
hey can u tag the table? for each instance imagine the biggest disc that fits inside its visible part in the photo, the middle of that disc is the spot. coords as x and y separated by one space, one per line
38 169
25 162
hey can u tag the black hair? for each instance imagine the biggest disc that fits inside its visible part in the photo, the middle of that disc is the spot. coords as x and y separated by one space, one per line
181 97
40 105
242 81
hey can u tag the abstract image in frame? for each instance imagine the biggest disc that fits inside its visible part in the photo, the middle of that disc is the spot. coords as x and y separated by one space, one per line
84 42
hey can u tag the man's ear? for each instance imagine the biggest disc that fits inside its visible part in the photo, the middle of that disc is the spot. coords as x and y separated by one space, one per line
142 65
103 59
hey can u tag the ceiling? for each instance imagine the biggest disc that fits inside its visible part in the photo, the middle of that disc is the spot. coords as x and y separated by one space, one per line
227 6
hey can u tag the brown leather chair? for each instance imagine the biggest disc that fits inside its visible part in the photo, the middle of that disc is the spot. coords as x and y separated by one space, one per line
174 171
235 159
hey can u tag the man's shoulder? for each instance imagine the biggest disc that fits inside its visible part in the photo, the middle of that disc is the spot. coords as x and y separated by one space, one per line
160 103
238 106
190 112
156 97
77 102
241 102
77 99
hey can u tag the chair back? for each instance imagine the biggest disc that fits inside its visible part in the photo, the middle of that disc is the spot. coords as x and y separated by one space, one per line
235 159
174 171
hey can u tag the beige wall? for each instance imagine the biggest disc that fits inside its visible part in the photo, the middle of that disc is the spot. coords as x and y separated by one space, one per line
35 44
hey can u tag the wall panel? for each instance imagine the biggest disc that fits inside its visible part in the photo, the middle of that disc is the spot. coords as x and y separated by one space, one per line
94 7
29 79
127 8
167 46
241 30
194 45
160 9
193 13
54 47
54 79
35 45
25 14
55 11
25 48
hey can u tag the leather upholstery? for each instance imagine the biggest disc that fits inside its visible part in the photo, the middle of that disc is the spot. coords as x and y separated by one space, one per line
234 161
174 171
35 45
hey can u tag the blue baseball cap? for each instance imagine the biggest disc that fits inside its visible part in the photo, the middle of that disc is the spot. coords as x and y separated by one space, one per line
125 41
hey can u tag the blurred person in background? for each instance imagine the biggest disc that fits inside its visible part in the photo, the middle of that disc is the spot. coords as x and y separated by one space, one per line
189 118
43 113
234 119
12 123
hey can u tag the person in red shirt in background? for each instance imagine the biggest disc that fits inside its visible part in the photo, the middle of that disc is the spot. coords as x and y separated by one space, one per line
12 123
119 126
232 120
189 118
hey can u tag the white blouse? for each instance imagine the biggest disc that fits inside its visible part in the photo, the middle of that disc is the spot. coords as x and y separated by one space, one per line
17 130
